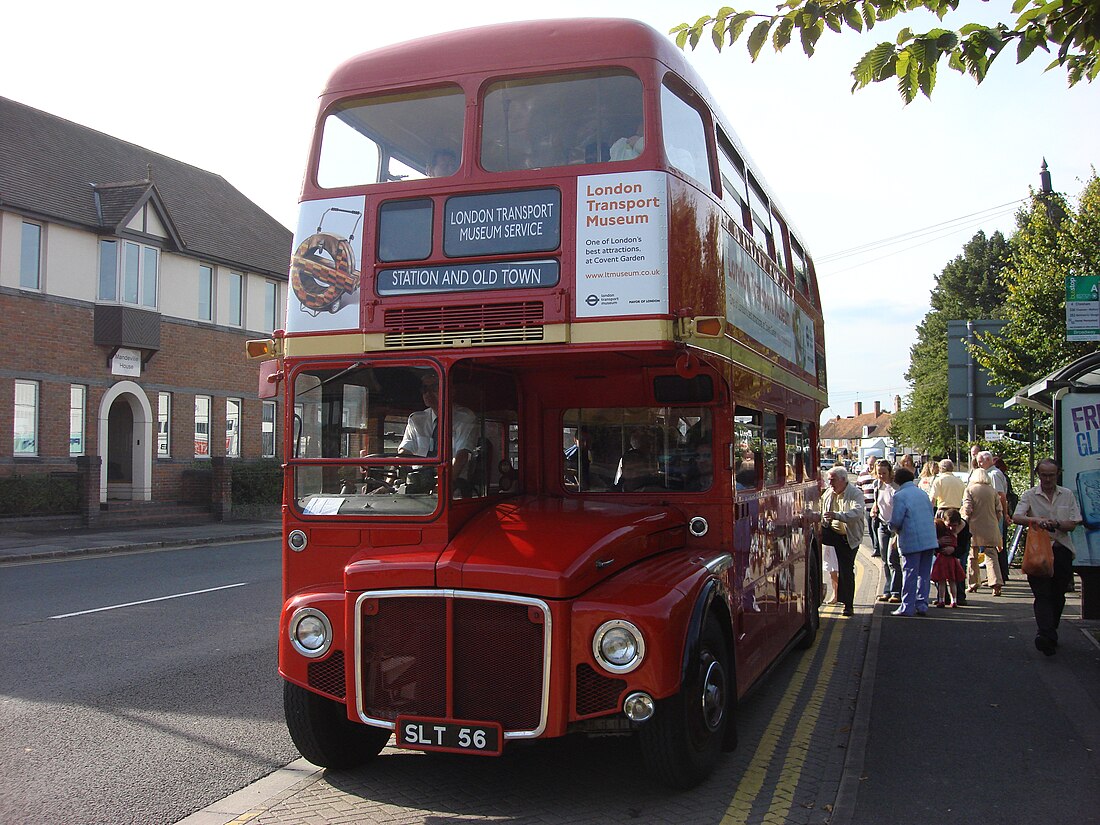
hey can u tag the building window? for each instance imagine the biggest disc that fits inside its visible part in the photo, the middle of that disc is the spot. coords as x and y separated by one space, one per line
77 395
267 430
271 305
133 275
202 426
30 257
206 292
26 418
164 425
108 270
233 427
236 287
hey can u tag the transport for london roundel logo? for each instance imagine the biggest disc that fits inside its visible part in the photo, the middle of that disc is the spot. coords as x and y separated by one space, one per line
592 300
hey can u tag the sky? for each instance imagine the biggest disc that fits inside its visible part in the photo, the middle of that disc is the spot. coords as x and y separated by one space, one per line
884 195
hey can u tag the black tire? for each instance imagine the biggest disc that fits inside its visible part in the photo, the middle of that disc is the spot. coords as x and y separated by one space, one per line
814 595
324 735
682 743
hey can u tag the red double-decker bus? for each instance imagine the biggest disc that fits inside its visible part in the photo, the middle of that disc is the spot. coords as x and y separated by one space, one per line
552 367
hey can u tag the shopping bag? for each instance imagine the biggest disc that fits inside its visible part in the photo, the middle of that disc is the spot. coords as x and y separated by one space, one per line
1038 554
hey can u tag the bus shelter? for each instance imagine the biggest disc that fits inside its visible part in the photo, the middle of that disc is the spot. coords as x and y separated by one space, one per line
1071 394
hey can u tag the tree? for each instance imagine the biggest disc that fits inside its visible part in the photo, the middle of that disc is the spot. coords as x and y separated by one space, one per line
1052 240
968 287
1068 29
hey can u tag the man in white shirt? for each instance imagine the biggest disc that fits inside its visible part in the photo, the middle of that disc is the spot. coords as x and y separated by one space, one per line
1053 508
421 435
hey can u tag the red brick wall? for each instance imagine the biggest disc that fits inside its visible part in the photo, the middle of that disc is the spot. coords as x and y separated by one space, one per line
51 342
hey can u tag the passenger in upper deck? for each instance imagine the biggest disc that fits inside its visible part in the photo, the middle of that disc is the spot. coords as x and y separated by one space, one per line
444 163
628 148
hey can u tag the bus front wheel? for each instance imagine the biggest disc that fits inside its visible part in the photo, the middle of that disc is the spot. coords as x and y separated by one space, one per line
682 743
324 735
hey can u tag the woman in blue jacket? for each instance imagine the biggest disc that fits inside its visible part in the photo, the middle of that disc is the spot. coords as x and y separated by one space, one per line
914 523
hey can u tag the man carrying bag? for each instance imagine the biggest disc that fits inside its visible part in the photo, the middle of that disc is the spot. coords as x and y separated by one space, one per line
1053 508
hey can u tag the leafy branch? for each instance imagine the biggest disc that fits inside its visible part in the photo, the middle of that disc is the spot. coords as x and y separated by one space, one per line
1067 29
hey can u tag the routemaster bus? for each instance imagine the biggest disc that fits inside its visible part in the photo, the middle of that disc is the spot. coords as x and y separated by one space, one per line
551 374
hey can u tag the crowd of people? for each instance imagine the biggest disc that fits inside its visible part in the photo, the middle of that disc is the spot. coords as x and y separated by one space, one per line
939 527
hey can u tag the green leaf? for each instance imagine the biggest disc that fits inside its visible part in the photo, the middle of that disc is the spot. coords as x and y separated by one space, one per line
1019 5
852 18
693 38
870 67
834 22
681 37
810 36
737 25
955 61
928 78
869 15
904 35
782 35
758 37
718 33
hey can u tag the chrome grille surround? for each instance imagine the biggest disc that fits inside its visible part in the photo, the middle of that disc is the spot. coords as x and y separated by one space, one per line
532 603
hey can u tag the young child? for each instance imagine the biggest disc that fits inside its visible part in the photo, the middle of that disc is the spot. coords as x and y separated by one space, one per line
946 571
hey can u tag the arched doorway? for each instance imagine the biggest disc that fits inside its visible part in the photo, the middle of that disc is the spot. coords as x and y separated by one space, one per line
125 444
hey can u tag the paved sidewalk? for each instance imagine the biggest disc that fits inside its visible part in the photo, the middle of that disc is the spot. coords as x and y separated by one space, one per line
21 545
968 722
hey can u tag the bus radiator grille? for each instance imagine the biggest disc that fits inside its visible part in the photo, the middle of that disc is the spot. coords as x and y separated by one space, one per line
493 649
597 693
327 675
483 324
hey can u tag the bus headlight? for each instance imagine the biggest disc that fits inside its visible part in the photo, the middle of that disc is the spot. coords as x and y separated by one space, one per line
618 646
310 632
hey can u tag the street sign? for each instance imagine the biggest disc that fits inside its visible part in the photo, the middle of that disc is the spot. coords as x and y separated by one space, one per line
994 435
1083 308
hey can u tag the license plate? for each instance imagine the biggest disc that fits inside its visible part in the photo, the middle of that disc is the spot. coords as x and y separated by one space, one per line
482 738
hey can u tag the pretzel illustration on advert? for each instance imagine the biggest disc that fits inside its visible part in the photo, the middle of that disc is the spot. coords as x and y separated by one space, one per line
322 268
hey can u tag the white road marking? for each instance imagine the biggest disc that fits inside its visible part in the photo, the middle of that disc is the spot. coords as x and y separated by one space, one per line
148 601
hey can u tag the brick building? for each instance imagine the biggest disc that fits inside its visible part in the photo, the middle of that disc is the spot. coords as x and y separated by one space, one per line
857 436
129 283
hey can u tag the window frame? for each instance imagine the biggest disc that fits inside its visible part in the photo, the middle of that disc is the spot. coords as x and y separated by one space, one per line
269 426
236 299
33 405
271 305
24 269
206 270
233 444
130 280
80 412
681 92
204 419
164 417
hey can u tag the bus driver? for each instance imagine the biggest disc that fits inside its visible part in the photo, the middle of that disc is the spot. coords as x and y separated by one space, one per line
422 430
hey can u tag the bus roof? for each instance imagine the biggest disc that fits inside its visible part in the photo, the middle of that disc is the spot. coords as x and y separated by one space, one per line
537 44
531 45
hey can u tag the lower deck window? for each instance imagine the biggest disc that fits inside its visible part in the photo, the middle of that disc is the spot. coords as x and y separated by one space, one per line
637 450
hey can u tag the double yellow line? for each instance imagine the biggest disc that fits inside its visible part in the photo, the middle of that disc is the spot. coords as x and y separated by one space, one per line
792 754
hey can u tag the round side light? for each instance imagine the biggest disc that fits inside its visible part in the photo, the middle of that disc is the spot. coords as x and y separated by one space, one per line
618 646
296 540
698 527
310 632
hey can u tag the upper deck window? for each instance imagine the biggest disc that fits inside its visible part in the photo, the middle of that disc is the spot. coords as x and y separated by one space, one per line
732 168
392 137
562 119
685 136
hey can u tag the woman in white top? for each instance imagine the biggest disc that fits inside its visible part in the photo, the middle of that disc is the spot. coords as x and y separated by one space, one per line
881 510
